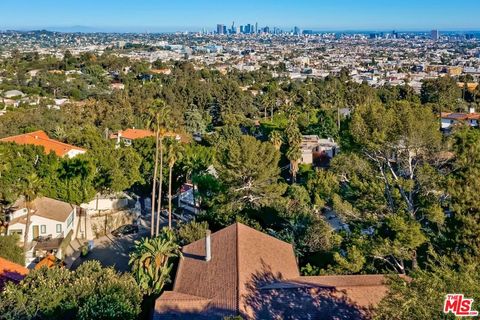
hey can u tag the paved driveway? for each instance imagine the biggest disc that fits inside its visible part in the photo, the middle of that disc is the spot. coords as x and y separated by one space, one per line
114 251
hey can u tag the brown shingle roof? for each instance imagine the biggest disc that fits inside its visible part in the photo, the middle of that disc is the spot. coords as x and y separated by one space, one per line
363 290
40 138
237 252
256 275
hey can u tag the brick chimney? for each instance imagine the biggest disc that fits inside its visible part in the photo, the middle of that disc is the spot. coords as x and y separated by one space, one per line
208 246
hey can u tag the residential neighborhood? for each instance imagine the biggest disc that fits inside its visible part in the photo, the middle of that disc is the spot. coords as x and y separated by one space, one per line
239 161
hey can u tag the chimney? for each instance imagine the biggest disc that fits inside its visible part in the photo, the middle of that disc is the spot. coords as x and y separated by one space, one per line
208 246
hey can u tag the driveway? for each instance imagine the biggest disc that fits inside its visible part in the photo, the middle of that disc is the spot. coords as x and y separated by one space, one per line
114 252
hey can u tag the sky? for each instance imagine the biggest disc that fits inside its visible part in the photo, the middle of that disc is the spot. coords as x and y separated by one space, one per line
192 15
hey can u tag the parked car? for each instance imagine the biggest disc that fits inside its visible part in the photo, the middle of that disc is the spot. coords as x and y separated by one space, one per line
125 230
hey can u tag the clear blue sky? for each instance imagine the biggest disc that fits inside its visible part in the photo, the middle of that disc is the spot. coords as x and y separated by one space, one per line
162 15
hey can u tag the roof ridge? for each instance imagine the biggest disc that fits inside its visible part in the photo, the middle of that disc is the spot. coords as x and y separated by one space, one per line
237 264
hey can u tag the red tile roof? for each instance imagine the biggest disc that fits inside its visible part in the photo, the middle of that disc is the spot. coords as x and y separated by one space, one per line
40 138
10 271
253 274
133 134
460 116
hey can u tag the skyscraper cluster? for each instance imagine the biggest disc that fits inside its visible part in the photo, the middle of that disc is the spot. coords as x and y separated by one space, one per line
250 29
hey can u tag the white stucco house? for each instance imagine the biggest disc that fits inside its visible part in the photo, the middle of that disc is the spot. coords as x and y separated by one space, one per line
50 218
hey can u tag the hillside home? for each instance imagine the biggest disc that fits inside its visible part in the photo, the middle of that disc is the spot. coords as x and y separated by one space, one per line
50 222
49 218
241 271
317 151
452 119
40 138
127 136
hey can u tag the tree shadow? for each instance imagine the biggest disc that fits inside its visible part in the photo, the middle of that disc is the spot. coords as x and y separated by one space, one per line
270 297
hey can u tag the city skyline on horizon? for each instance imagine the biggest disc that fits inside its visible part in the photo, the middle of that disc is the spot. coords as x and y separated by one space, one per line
161 16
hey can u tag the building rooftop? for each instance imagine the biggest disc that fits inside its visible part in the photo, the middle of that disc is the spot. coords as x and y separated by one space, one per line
255 275
44 207
10 271
40 138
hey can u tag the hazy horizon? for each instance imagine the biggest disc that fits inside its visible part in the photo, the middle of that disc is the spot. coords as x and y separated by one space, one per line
169 16
173 29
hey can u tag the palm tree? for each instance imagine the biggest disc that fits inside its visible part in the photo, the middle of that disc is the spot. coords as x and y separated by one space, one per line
276 139
164 124
172 158
151 261
30 191
153 123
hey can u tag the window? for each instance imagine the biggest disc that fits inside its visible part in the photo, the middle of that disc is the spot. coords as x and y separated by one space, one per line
70 220
59 228
43 229
16 231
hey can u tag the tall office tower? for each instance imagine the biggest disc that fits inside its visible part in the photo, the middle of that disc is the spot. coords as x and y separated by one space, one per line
435 35
224 29
256 27
232 30
242 29
219 28
296 31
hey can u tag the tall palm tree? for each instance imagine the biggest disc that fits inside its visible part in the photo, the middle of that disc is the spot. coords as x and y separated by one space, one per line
172 158
153 123
31 189
164 124
151 261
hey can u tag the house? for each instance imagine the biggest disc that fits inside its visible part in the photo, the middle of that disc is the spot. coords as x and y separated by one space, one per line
317 151
127 136
50 222
10 271
40 138
186 198
49 217
241 271
452 119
